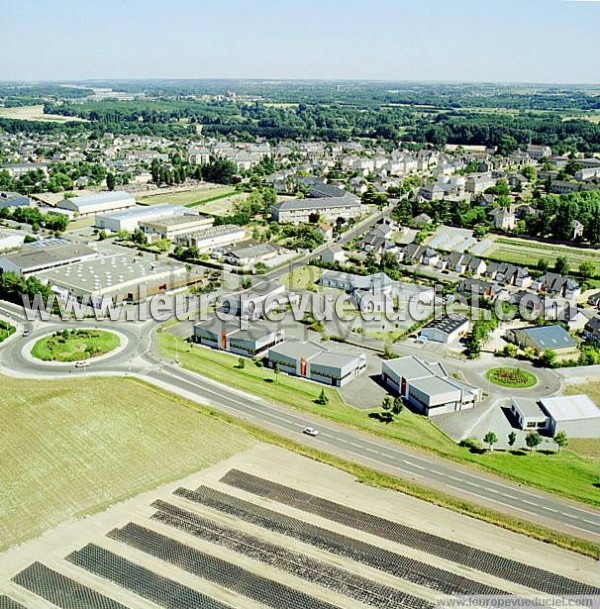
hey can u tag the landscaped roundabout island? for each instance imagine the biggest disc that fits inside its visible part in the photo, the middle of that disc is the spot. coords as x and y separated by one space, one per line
511 377
75 345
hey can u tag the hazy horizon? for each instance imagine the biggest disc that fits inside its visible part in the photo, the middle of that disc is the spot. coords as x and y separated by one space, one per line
458 41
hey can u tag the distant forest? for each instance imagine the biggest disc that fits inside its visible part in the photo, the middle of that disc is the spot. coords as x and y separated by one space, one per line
436 114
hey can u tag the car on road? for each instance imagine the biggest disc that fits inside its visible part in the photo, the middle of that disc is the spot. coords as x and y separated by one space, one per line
26 332
84 363
310 431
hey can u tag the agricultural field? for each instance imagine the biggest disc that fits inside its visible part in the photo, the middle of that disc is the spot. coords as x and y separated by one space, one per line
36 113
527 253
95 451
566 473
188 198
197 543
75 345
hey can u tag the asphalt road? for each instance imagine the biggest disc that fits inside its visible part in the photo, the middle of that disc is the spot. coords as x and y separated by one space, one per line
380 454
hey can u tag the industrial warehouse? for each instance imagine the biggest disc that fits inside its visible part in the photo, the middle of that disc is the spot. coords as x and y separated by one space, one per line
427 386
311 361
120 277
250 340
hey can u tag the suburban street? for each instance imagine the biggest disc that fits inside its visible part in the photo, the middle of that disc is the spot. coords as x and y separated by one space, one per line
139 358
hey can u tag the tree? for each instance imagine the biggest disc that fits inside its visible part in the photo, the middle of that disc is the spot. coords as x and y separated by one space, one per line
548 358
110 181
543 265
561 266
397 405
533 440
512 438
490 439
587 269
241 363
561 440
322 400
386 404
276 370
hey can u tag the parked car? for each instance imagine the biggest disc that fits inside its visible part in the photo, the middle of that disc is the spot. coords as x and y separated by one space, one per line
310 431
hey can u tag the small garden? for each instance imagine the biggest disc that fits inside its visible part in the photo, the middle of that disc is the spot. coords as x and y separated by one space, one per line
511 377
75 345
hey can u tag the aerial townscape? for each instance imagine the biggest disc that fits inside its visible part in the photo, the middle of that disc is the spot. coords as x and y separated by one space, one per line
299 319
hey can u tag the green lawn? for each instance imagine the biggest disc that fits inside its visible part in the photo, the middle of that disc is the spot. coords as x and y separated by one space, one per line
527 253
566 473
303 278
6 330
66 450
189 198
75 345
511 377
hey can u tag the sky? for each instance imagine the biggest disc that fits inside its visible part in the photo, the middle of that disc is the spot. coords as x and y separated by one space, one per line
542 41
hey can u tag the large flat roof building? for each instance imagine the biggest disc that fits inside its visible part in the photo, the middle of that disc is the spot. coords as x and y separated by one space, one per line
208 239
34 258
326 201
130 219
314 362
427 386
169 227
90 205
125 276
575 415
237 337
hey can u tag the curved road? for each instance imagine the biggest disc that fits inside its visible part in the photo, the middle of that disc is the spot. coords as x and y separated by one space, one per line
137 359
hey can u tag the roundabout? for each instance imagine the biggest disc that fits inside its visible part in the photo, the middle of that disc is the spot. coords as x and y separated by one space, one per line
515 378
65 347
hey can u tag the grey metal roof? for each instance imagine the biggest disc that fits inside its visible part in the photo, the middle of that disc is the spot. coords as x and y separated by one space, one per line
101 197
529 408
316 204
48 252
447 324
549 337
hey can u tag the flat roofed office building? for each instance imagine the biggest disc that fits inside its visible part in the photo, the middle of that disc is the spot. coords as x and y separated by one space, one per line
235 336
427 386
130 219
34 258
311 361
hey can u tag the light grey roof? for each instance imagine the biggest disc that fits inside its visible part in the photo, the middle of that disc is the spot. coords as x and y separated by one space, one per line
296 349
412 368
101 197
570 407
434 385
146 212
529 408
48 252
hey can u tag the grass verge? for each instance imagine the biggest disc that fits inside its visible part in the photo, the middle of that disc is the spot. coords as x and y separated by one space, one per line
566 473
6 330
